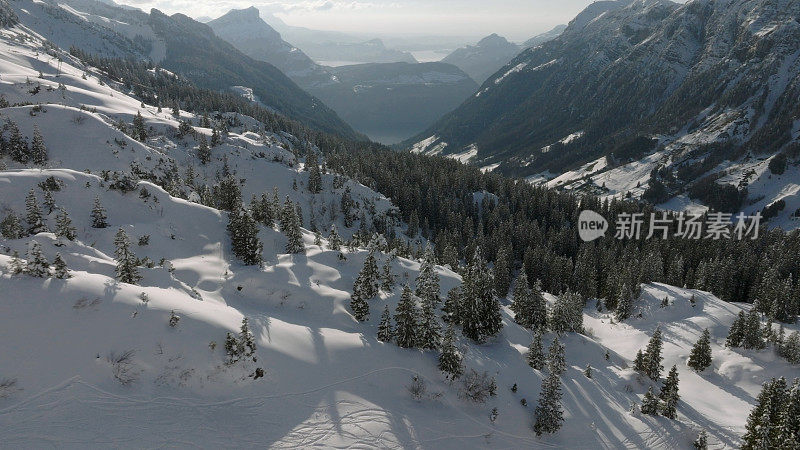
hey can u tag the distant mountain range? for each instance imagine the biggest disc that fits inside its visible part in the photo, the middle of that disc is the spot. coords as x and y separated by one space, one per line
388 102
645 98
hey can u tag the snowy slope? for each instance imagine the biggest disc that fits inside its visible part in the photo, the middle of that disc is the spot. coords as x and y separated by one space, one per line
327 381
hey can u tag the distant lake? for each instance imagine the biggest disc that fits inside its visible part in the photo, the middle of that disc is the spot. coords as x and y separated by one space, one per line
430 55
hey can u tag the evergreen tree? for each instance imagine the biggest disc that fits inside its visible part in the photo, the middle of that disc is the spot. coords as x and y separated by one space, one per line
203 151
11 228
624 303
535 355
736 333
38 149
556 362
588 371
549 414
651 362
17 145
334 240
502 271
669 394
450 361
294 236
98 214
37 264
139 128
229 194
314 176
387 276
567 314
246 340
33 215
480 312
64 226
428 291
650 403
127 270
60 267
385 330
638 362
243 231
16 267
700 357
49 202
405 319
701 443
522 303
452 306
752 337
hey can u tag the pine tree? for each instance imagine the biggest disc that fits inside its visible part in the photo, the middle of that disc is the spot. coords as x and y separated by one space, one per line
555 357
502 271
624 303
38 149
535 355
650 403
387 276
700 356
789 419
385 330
736 333
139 129
246 340
243 231
294 237
17 267
549 414
60 267
480 312
37 264
33 215
452 306
98 214
701 443
11 228
229 193
334 240
588 371
638 362
753 338
522 303
428 291
669 394
450 361
405 319
652 357
49 202
567 314
203 151
127 270
358 301
17 145
314 176
64 226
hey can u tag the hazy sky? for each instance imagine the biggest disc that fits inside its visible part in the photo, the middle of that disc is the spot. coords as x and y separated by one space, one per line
514 19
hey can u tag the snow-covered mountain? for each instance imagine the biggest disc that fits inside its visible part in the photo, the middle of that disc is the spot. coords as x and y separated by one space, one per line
700 95
483 59
92 361
544 37
179 44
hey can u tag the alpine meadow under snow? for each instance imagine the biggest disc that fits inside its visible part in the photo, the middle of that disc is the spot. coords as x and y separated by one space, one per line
184 267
